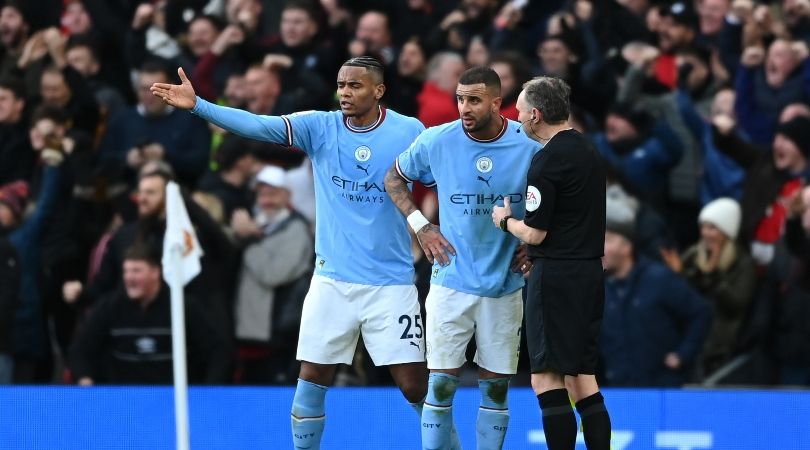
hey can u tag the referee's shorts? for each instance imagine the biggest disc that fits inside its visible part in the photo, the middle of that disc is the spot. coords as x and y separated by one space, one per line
564 307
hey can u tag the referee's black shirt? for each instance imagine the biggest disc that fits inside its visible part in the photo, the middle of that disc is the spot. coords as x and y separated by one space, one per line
566 197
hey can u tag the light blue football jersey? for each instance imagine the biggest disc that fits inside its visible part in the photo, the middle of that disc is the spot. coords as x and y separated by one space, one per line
360 235
471 176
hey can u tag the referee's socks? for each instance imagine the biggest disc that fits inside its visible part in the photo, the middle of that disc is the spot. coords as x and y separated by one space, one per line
308 415
559 422
493 414
595 422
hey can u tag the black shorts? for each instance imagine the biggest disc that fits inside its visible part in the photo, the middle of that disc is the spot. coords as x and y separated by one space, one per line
564 306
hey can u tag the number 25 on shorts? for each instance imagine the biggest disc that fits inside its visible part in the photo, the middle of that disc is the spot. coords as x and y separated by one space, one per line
406 320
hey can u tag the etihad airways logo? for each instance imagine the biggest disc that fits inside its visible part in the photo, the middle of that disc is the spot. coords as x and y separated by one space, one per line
360 191
481 204
483 199
357 186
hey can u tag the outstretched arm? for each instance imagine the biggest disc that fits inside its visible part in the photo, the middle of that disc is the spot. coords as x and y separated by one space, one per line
430 237
252 126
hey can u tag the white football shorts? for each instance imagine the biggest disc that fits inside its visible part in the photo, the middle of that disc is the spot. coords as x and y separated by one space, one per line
336 313
452 319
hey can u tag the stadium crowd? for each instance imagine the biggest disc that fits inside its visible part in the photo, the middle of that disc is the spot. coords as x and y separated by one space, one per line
700 109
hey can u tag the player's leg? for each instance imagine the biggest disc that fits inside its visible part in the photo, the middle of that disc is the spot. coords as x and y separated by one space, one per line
393 331
328 336
559 421
497 337
412 380
493 411
308 414
450 326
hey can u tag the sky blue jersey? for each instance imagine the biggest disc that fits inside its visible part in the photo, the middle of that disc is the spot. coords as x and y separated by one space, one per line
472 175
360 235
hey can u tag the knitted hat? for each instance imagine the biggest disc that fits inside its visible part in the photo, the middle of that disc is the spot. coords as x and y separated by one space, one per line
797 130
723 213
620 217
15 196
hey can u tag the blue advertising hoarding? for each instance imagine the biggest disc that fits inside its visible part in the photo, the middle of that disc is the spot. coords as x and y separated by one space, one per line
43 418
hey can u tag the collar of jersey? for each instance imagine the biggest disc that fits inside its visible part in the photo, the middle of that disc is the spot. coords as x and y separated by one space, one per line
374 125
498 136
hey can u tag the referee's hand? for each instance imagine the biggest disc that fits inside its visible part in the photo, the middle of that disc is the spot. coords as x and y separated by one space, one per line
435 246
499 212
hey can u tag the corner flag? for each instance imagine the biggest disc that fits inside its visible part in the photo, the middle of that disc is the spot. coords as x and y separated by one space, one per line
179 235
181 263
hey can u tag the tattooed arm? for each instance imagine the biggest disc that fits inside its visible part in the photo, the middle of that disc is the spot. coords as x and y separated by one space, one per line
433 243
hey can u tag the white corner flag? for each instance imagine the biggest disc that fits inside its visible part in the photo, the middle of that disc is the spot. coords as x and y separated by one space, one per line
180 236
181 263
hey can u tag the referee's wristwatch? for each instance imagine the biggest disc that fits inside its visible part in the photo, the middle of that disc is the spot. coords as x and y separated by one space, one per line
504 222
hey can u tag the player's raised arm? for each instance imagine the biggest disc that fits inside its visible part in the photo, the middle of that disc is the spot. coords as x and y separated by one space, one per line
252 126
430 237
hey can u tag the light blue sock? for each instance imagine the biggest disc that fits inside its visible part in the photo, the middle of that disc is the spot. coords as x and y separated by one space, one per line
308 416
437 414
455 443
493 414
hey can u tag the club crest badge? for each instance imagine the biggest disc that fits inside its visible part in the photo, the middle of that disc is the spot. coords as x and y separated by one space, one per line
362 153
483 164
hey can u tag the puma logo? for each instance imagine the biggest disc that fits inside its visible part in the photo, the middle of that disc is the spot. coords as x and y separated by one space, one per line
414 344
485 180
364 169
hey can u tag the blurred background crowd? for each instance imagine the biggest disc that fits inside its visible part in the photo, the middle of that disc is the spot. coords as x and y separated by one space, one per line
698 107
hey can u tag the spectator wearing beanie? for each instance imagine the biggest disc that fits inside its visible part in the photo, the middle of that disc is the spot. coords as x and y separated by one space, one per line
721 270
654 323
26 235
771 179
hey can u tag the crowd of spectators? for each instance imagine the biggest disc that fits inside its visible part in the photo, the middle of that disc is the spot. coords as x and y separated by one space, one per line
700 109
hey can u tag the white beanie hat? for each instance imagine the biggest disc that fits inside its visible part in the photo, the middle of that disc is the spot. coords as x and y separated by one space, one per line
273 176
723 213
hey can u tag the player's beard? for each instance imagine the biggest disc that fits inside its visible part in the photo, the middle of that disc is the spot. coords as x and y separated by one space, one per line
480 124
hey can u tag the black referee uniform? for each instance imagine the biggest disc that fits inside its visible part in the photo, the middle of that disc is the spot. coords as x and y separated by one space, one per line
566 290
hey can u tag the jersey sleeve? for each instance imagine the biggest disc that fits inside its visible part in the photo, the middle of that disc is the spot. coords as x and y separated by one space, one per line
541 191
414 163
304 130
278 130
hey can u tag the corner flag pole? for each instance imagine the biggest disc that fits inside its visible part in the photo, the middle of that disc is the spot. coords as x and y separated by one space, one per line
179 350
181 263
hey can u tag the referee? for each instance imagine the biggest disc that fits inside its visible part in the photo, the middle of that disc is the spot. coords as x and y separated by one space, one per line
565 229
